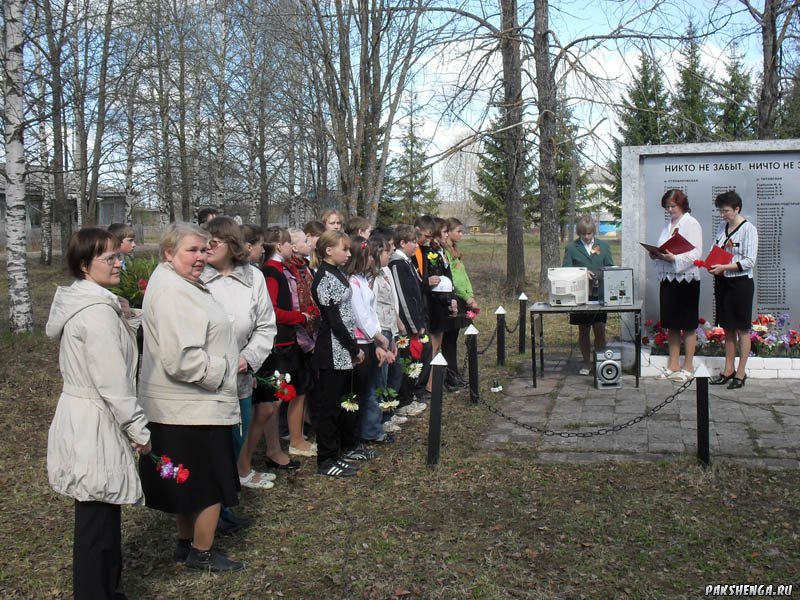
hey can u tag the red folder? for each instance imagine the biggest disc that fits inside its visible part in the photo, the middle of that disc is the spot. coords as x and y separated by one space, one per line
677 244
718 256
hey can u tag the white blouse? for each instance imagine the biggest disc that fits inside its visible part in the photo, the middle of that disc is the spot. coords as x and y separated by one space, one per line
683 269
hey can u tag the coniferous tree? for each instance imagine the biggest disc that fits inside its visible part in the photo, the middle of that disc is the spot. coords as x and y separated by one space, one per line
736 112
568 157
408 190
489 198
691 104
642 121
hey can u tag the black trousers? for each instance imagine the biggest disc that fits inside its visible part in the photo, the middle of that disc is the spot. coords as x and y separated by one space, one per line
96 551
334 426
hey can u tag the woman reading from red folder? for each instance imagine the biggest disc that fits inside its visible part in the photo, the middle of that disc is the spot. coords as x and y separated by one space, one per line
679 290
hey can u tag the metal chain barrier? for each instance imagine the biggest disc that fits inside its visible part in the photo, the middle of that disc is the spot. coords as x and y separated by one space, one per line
513 329
490 343
598 432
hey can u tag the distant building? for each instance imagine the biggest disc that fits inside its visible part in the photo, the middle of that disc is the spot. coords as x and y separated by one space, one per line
110 204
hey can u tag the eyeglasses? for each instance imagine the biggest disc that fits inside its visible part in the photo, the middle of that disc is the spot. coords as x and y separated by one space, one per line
110 260
214 243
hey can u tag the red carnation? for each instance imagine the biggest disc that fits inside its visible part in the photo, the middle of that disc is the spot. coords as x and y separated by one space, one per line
142 284
701 321
182 474
285 392
648 323
699 263
415 348
645 340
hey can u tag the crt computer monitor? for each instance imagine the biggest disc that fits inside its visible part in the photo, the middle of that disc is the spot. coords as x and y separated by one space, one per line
569 286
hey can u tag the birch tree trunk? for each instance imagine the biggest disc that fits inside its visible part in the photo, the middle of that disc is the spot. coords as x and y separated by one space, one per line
46 253
19 297
546 100
100 122
54 28
79 68
363 98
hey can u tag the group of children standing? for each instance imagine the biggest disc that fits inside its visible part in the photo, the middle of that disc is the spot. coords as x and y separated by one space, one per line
359 313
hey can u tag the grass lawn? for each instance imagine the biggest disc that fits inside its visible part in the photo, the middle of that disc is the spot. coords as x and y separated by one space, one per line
481 524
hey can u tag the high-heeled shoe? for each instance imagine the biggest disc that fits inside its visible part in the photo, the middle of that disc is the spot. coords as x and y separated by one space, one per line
737 383
721 379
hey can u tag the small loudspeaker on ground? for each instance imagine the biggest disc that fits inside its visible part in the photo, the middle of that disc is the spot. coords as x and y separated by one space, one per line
608 369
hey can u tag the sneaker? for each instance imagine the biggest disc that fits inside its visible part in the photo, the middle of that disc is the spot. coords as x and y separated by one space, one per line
211 560
411 410
398 420
390 427
360 452
336 469
346 465
181 551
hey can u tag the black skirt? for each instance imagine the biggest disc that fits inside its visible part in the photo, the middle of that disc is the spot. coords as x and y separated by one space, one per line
207 451
284 359
679 302
440 318
733 301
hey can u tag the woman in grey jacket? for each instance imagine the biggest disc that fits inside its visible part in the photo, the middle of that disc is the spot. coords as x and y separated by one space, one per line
189 393
98 424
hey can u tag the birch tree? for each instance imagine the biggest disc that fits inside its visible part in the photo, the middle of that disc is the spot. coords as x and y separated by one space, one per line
366 48
19 296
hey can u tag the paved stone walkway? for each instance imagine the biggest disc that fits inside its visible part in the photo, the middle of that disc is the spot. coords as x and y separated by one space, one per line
756 425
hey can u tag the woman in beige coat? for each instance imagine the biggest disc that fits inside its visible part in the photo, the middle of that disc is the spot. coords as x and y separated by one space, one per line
98 424
189 393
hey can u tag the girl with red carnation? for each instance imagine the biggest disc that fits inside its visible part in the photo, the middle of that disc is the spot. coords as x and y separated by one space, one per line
286 357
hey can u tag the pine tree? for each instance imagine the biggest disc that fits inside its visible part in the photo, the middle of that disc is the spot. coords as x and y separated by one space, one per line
643 116
691 103
736 112
490 196
408 191
642 121
568 156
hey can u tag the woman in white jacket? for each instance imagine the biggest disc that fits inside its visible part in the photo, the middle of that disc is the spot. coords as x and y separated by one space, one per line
241 290
188 391
98 424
